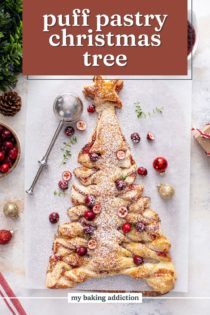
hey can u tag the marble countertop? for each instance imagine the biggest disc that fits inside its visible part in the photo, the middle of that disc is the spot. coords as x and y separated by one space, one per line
199 253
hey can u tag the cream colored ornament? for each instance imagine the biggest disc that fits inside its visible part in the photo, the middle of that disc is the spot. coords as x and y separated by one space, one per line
11 210
166 191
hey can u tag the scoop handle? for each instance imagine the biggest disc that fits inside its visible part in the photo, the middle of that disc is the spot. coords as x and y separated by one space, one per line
43 161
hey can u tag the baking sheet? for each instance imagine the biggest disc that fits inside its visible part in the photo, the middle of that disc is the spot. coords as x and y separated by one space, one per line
172 132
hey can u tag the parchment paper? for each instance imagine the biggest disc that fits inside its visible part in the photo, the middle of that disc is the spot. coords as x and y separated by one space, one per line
172 132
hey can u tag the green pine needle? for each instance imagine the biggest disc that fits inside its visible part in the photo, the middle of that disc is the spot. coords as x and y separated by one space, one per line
10 42
66 149
141 114
59 193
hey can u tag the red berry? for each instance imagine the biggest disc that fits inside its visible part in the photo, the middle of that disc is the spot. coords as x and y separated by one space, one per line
86 148
94 156
138 260
81 125
8 145
89 215
92 244
97 208
160 164
63 185
142 171
5 236
69 131
90 201
6 134
162 254
13 154
54 217
56 258
2 156
91 108
1 129
122 212
121 155
135 137
67 175
150 136
81 251
8 161
126 227
120 184
4 168
140 227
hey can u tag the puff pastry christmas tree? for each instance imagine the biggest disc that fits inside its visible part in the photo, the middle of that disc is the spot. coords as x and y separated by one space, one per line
113 229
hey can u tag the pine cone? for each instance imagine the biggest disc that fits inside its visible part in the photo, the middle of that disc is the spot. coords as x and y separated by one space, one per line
10 103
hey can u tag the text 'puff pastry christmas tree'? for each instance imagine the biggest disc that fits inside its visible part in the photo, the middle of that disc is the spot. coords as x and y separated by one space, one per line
113 230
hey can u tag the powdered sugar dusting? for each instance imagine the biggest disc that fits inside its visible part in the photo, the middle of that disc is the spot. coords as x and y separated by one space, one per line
109 140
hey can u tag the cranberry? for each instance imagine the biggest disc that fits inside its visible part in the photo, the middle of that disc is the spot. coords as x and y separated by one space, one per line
126 227
63 185
150 136
138 260
2 156
92 244
89 229
142 171
89 215
91 108
13 154
67 175
81 251
97 208
86 148
94 157
162 254
135 137
122 212
57 258
140 227
8 145
13 140
121 155
120 184
1 129
8 161
90 201
54 217
4 168
6 134
69 131
81 125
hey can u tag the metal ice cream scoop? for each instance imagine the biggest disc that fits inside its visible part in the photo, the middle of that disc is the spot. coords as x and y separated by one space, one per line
67 108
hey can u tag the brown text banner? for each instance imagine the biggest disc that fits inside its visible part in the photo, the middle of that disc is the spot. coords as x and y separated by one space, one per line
118 37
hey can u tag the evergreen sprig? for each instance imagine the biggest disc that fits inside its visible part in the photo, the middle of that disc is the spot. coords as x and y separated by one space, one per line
141 114
59 193
10 42
66 149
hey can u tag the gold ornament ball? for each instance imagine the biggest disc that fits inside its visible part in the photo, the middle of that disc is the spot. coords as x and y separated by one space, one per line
166 191
11 210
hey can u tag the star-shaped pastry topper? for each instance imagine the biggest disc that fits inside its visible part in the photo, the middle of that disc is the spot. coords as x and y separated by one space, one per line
102 91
